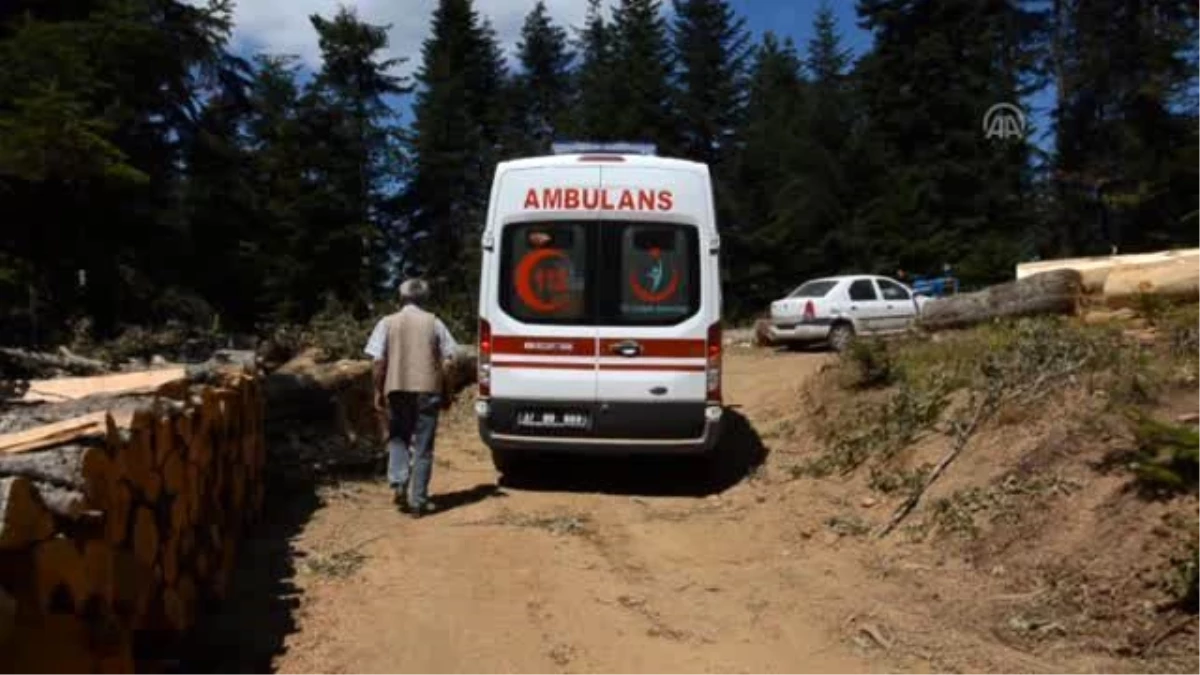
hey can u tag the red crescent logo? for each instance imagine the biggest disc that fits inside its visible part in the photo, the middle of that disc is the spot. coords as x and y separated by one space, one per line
524 280
652 298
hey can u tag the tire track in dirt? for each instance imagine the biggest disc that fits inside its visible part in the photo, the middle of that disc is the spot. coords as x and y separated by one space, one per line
600 567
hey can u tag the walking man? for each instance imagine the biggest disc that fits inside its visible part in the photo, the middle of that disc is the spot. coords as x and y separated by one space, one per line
412 350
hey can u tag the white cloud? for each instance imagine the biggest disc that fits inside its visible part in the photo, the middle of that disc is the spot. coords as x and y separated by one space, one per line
282 26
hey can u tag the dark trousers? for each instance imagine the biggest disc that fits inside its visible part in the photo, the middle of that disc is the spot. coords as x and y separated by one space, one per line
412 426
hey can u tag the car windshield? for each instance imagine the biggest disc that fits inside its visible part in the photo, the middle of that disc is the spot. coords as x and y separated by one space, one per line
813 289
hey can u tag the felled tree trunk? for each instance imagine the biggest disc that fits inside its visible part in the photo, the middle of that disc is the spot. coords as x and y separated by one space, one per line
35 364
305 390
1048 293
1095 270
304 386
1175 280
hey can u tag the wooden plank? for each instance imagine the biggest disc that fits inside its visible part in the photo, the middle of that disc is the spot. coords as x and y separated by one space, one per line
55 433
72 388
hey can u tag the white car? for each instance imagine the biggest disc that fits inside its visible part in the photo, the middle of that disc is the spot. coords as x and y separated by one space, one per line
836 309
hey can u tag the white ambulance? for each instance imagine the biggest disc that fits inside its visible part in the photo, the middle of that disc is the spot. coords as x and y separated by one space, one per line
599 306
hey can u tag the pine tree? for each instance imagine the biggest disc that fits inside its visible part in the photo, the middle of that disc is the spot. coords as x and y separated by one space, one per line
543 87
641 93
1125 165
711 48
346 104
594 112
219 206
455 141
819 210
96 102
278 154
951 195
768 139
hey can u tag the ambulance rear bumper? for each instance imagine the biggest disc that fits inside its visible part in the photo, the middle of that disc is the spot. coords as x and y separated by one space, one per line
613 428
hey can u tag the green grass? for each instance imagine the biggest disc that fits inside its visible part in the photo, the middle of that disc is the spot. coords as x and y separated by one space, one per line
901 392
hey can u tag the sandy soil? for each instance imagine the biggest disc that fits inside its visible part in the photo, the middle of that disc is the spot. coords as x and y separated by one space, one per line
643 566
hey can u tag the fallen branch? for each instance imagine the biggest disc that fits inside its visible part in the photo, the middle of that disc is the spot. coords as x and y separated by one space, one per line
961 436
1166 633
994 398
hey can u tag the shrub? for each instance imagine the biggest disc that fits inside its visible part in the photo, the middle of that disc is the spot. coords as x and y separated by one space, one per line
962 380
1183 331
872 362
1167 456
1183 582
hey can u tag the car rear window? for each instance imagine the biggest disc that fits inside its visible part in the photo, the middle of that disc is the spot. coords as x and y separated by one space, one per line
813 289
600 272
545 270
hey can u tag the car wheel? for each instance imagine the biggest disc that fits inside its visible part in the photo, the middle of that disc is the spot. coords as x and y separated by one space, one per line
840 337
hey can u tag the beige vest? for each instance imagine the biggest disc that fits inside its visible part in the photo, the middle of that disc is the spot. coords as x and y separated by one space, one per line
413 361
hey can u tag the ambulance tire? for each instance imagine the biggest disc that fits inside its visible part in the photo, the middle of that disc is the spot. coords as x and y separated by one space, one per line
507 462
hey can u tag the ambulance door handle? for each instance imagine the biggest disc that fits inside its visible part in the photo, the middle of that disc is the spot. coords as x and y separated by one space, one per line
627 349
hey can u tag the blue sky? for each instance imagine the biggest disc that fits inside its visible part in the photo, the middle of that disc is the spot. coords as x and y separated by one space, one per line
281 26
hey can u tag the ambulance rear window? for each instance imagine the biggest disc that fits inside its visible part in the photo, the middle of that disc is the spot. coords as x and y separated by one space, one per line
544 270
658 274
612 273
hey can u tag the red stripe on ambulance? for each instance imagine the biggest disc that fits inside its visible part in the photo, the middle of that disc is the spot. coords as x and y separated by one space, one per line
598 199
559 365
575 346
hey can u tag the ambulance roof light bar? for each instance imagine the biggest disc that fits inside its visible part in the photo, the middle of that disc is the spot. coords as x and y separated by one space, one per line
614 148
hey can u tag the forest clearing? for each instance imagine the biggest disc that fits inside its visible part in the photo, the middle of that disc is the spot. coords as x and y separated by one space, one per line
1008 563
210 204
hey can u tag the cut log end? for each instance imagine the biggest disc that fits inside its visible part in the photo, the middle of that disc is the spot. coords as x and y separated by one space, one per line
24 519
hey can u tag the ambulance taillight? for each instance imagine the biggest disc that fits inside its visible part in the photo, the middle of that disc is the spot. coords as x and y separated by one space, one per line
714 363
485 358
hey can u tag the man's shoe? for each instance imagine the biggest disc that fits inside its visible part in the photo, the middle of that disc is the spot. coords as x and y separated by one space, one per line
422 510
400 501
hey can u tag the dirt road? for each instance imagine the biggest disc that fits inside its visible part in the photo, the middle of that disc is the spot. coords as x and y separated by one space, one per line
586 566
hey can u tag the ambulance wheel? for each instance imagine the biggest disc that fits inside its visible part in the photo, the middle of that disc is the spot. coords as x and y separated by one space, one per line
507 462
840 337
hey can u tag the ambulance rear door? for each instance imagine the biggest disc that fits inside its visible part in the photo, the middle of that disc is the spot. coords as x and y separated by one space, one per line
542 324
653 315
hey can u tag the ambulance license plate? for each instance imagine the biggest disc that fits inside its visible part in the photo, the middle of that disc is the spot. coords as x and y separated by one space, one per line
551 419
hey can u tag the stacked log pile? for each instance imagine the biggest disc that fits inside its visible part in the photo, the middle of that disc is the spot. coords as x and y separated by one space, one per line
122 523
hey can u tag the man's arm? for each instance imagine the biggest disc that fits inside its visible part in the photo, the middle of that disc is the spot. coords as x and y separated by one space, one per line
448 351
377 349
447 346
